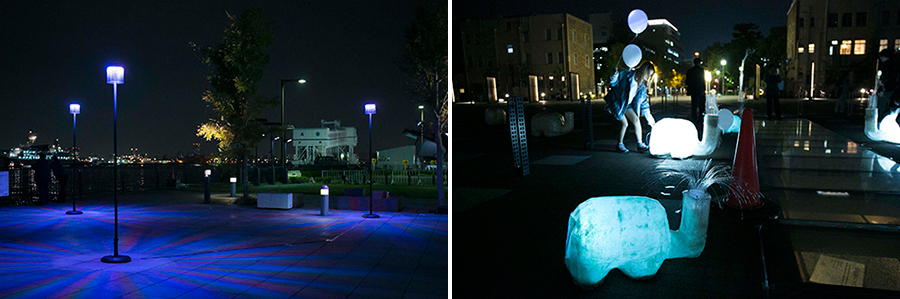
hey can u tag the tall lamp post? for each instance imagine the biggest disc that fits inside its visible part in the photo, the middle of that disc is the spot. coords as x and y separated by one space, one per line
370 109
74 109
284 146
723 75
115 75
421 133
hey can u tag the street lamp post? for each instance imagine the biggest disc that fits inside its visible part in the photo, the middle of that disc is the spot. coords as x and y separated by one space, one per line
723 76
370 109
422 133
284 81
74 109
115 75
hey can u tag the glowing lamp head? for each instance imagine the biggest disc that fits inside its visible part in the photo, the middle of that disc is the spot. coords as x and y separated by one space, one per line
707 75
301 81
233 179
370 108
723 62
74 108
324 190
421 107
115 75
207 172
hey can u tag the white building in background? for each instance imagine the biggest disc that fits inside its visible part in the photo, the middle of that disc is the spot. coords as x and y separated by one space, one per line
330 140
397 158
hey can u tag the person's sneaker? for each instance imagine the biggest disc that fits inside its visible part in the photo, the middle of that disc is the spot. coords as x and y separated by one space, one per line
622 148
642 147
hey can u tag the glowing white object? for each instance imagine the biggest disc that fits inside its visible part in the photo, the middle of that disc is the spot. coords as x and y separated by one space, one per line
370 108
637 21
324 190
233 179
115 75
728 122
674 136
207 172
74 108
888 129
632 233
631 55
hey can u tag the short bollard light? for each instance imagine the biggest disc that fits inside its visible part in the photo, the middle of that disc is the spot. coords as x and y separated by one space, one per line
233 186
324 198
206 173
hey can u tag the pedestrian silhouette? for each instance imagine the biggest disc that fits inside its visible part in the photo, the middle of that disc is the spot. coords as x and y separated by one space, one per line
773 90
62 177
42 178
696 88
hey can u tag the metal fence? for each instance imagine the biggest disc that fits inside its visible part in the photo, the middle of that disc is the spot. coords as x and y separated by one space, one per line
386 177
88 180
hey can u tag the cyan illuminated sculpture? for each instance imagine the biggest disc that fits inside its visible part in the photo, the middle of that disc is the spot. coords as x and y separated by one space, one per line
887 130
631 233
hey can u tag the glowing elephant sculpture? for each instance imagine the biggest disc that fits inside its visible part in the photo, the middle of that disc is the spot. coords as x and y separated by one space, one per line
631 233
888 130
552 124
494 116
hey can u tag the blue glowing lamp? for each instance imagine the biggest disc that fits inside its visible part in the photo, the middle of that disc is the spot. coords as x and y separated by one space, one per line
74 108
115 75
370 108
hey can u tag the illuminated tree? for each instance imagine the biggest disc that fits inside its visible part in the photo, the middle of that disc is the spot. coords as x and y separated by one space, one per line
425 61
238 66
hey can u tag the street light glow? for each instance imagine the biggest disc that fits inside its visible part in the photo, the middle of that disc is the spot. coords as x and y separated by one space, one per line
301 81
74 108
115 75
723 61
370 108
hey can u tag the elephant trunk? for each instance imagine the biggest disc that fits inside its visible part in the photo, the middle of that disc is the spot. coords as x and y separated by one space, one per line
690 238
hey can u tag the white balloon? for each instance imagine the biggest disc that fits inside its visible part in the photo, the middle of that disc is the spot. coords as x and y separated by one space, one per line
632 55
725 119
637 21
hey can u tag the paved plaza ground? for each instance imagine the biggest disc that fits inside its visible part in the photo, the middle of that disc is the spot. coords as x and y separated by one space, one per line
181 248
510 230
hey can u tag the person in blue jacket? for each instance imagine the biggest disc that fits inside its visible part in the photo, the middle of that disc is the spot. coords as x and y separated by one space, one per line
629 99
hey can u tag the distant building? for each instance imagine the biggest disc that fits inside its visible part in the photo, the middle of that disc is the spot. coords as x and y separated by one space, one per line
602 26
331 141
536 57
828 38
661 39
397 158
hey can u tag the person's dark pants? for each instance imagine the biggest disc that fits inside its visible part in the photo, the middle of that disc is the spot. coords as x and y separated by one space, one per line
698 106
773 104
44 192
63 182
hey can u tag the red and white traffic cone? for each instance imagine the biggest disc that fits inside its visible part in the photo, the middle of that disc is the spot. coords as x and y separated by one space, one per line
744 192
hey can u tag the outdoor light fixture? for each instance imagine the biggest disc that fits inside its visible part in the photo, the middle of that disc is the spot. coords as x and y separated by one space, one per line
370 109
207 173
115 75
74 109
284 145
324 199
233 186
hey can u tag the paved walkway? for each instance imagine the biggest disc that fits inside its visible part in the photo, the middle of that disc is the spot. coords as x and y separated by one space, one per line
183 249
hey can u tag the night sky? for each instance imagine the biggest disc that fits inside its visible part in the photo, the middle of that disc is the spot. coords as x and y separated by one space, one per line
53 54
701 22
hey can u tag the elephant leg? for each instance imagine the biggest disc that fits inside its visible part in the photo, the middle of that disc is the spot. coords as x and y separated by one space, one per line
642 269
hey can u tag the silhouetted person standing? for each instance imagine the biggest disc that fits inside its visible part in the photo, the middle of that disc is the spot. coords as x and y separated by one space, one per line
772 93
62 177
696 88
42 178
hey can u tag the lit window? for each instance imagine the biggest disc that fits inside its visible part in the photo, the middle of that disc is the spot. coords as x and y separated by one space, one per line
800 50
509 49
831 50
834 42
897 43
859 47
882 44
812 48
845 47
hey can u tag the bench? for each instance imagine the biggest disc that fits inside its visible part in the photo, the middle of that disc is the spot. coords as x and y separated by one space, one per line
283 201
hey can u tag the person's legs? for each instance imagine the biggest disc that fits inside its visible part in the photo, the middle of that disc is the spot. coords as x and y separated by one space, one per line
769 108
777 102
621 145
633 118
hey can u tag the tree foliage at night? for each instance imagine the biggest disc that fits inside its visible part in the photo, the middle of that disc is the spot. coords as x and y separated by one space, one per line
425 61
767 51
238 67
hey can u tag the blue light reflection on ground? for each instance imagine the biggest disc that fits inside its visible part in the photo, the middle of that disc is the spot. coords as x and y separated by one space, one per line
193 250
